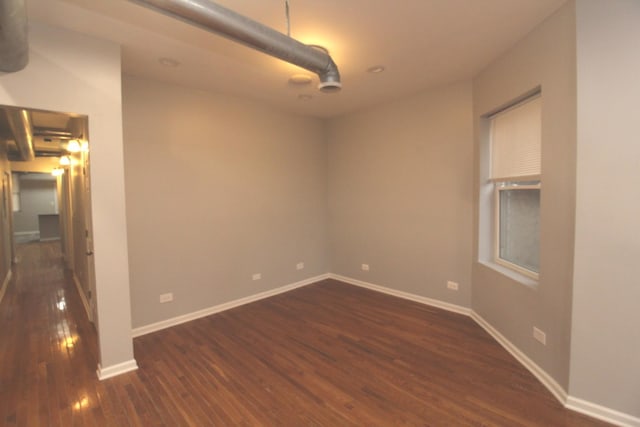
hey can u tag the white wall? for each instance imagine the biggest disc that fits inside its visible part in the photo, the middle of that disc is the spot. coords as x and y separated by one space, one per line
37 196
545 58
400 194
605 345
218 189
69 72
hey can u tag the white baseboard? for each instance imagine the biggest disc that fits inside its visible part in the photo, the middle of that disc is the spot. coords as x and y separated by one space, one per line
113 370
591 409
25 233
5 284
570 402
602 413
83 297
404 295
147 329
552 385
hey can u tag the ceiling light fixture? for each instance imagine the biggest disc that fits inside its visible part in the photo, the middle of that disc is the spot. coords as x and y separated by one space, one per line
65 161
168 62
376 69
73 146
57 172
300 79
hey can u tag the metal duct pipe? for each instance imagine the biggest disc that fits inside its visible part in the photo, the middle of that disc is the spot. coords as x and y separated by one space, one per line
220 20
20 124
14 46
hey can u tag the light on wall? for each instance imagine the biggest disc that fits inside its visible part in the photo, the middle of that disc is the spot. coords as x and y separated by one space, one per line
57 172
65 161
73 146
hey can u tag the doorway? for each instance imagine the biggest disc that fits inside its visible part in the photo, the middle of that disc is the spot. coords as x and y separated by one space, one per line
44 160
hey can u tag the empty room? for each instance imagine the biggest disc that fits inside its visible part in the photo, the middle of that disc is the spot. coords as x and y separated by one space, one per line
296 212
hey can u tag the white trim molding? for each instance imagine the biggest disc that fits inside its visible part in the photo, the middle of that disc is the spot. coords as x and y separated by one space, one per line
602 412
5 284
570 402
582 406
163 324
552 385
26 236
114 370
404 295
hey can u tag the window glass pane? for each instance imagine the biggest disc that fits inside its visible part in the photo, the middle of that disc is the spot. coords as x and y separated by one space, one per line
520 227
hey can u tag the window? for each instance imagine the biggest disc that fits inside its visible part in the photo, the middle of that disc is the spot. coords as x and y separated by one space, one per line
515 135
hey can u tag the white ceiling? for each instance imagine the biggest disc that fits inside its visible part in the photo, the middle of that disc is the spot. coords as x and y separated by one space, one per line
422 44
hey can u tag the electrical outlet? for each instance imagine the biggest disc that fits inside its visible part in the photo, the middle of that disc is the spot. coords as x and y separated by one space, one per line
168 297
256 276
365 267
539 336
300 266
452 285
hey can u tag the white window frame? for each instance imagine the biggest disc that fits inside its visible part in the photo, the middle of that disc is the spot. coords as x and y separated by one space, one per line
521 175
498 187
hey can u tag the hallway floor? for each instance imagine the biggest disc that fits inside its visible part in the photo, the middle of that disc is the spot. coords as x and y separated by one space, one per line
49 351
328 354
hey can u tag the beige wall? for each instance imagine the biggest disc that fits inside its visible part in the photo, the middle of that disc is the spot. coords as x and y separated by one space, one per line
605 345
546 59
218 189
69 72
400 194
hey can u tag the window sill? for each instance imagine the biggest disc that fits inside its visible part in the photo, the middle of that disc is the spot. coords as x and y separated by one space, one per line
513 275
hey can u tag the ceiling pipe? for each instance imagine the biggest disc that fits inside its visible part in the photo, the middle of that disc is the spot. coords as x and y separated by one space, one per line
20 124
225 22
14 45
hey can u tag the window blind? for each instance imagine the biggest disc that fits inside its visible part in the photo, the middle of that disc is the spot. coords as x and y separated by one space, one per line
515 142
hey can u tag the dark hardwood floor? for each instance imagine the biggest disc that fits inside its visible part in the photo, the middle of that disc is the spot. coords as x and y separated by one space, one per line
329 354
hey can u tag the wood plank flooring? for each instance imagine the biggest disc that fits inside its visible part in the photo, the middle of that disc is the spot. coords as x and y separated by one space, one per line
325 355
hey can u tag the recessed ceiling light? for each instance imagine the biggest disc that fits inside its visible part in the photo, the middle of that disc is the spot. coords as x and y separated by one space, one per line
376 69
168 62
300 79
305 97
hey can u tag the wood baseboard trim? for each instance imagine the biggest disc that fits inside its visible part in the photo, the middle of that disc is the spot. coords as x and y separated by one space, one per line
83 297
118 369
154 327
404 295
5 284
